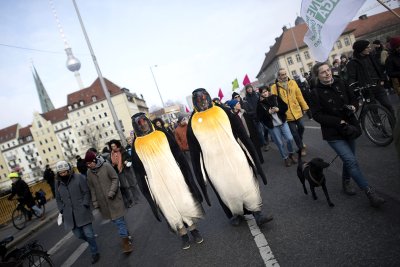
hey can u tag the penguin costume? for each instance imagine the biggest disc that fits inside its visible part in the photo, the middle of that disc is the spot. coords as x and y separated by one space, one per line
165 179
224 156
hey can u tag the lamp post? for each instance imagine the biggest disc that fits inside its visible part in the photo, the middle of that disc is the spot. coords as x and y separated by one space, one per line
103 84
158 90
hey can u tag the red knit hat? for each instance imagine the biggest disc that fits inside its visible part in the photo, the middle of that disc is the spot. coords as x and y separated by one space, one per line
395 42
90 156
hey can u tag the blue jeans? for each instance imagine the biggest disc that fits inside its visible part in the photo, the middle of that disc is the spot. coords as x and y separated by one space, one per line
86 233
280 134
346 149
122 230
297 129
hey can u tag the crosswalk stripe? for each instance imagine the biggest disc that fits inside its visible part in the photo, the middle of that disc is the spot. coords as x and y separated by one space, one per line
261 242
74 256
60 243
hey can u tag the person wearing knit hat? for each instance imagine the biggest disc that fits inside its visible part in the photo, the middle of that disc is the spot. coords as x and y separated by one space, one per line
106 196
364 70
393 64
232 103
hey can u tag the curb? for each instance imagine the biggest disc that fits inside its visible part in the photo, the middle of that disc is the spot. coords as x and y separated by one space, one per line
34 228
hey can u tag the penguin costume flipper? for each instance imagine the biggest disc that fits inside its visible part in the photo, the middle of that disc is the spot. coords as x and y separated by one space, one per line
197 160
184 167
240 133
142 182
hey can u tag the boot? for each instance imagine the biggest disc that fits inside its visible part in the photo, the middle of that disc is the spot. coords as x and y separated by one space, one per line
292 158
235 220
374 199
185 241
126 245
288 162
260 219
197 237
95 258
348 189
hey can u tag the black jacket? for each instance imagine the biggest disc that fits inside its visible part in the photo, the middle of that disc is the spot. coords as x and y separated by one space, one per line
21 189
327 107
251 105
356 72
393 65
264 106
49 175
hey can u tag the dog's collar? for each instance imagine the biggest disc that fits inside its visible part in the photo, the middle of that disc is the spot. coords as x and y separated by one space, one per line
305 165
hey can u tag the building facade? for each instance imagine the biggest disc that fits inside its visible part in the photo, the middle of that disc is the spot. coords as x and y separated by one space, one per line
63 133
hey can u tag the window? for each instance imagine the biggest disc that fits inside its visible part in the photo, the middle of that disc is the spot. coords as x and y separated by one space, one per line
37 154
54 147
39 124
58 156
49 149
75 105
289 60
81 123
339 44
40 142
294 73
99 116
90 109
100 136
106 133
40 162
79 133
73 141
82 142
94 98
51 139
298 59
97 107
94 118
306 55
45 140
97 127
76 150
102 105
302 71
111 131
87 120
81 103
70 107
108 123
105 114
346 41
44 151
56 127
47 160
309 65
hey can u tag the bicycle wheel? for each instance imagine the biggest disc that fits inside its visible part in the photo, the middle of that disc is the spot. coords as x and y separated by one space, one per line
42 209
378 124
19 219
36 258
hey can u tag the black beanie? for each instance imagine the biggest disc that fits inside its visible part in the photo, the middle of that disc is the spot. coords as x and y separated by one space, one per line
234 94
359 46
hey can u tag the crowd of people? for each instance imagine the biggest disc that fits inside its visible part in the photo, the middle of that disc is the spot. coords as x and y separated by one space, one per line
220 145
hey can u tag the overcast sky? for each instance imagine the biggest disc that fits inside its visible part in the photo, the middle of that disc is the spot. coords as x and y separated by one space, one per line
195 44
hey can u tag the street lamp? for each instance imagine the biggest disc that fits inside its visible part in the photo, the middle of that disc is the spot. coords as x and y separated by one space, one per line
103 84
154 78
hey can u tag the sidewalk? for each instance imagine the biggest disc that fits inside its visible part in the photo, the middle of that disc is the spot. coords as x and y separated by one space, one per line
31 226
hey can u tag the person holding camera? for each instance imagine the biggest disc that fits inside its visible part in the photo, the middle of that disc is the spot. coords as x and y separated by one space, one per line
106 196
333 106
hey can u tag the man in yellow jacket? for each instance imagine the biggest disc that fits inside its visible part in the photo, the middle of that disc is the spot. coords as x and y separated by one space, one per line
290 93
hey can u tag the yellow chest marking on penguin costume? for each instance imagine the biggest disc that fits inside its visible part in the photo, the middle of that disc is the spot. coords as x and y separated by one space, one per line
210 120
152 144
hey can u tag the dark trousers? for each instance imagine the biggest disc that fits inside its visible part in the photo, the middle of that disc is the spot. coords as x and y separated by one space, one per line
297 130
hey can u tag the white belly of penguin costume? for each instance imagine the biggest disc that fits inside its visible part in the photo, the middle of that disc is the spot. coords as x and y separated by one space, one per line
166 182
225 161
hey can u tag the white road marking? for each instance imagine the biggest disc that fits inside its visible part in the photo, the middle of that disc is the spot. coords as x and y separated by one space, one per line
74 256
312 127
261 242
60 243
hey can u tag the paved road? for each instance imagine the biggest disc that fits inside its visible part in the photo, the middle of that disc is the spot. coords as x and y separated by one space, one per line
304 232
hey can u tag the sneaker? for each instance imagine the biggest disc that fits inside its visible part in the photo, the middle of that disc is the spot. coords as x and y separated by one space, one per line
197 237
185 242
95 258
288 162
348 188
374 199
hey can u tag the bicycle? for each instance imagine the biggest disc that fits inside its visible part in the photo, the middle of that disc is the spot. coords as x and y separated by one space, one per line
21 215
31 255
376 121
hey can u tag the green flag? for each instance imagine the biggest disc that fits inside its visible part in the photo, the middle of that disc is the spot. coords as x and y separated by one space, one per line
235 84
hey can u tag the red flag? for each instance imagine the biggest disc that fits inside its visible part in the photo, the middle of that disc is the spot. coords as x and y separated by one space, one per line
220 94
246 80
187 110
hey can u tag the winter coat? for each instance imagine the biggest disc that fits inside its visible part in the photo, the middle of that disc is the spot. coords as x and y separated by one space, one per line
81 165
181 137
49 175
263 110
393 65
250 104
21 189
327 107
356 71
73 201
292 97
105 192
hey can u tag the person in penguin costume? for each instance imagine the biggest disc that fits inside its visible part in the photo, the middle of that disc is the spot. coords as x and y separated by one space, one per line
223 156
165 179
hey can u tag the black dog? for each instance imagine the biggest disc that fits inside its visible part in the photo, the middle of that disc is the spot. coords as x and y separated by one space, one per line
313 171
